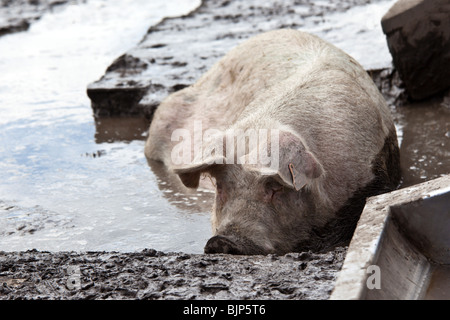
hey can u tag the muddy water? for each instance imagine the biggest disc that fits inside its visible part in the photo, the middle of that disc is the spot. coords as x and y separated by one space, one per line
424 129
68 182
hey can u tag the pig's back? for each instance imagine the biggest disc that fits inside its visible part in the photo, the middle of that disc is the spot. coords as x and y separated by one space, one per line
333 104
292 78
228 89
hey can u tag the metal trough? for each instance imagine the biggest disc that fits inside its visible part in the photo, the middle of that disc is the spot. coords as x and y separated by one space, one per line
401 246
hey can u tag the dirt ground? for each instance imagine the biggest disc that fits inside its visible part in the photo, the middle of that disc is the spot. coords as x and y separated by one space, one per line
150 274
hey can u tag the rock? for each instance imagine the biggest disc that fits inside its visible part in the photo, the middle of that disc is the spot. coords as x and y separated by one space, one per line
177 51
418 36
18 15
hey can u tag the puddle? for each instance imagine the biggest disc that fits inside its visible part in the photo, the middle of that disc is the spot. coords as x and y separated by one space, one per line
68 182
120 129
425 140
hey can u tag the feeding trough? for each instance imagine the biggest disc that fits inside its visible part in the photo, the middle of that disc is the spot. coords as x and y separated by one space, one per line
401 246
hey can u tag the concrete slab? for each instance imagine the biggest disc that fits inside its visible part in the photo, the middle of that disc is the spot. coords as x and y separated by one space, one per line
401 246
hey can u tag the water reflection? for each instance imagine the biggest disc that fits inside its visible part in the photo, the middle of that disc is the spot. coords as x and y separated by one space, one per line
120 129
68 182
127 129
187 200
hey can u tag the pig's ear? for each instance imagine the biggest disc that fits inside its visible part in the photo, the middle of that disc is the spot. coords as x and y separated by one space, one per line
190 174
297 165
300 170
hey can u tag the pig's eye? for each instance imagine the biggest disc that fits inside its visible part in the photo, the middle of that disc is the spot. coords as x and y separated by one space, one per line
272 189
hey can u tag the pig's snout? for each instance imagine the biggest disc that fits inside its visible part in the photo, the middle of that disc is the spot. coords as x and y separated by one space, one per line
222 244
233 245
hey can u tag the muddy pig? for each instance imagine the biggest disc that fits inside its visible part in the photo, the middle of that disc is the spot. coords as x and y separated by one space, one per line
292 133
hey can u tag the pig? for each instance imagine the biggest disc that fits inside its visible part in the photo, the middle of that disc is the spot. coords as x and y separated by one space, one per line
335 142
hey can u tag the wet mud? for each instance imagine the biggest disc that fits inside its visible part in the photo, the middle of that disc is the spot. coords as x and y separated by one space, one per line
136 82
425 148
18 15
153 275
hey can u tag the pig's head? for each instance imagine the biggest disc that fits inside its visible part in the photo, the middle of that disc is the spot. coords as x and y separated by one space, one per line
259 209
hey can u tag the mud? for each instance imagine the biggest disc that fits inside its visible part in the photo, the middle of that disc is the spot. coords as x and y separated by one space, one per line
136 82
18 15
150 274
